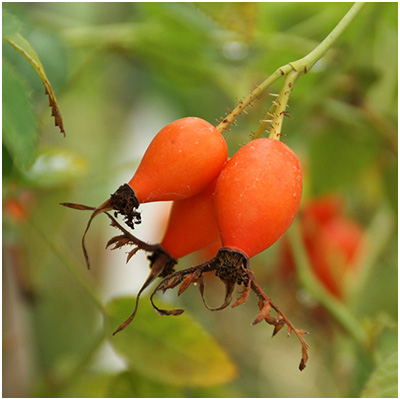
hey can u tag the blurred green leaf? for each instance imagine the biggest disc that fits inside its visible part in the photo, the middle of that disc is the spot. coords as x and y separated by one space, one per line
383 383
390 176
11 24
17 41
129 384
19 126
238 17
338 158
55 167
172 350
89 385
383 93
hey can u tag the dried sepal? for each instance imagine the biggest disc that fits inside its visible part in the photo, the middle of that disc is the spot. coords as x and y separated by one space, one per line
278 325
229 289
118 242
79 207
281 320
244 296
304 356
96 211
263 314
189 279
131 253
170 283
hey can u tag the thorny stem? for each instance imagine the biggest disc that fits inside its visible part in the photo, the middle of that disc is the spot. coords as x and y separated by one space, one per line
230 118
264 123
297 68
281 104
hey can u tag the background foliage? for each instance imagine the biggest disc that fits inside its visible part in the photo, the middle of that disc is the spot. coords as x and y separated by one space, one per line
120 72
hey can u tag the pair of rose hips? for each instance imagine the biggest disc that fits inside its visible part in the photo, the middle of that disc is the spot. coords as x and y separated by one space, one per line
245 203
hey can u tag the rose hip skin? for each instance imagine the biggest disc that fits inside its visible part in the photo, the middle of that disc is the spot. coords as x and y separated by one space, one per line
183 158
192 224
257 195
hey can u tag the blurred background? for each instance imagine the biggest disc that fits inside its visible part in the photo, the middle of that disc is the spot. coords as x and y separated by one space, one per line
122 71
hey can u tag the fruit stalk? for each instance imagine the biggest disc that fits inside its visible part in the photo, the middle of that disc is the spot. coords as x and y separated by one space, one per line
298 67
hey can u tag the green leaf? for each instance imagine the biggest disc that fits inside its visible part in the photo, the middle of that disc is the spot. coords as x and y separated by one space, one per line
383 382
19 126
55 167
129 384
87 385
17 41
172 350
238 17
11 24
390 179
338 158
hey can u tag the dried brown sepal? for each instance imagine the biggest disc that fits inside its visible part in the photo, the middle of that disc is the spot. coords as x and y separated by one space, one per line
189 279
232 268
229 289
162 264
131 254
278 326
165 312
117 241
244 296
129 239
96 211
304 356
282 319
124 202
79 207
171 284
263 314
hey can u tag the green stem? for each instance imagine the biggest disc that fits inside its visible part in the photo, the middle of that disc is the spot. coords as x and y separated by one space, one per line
281 104
304 64
296 68
307 279
253 95
266 122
